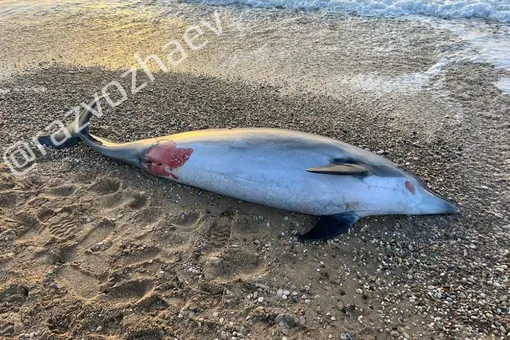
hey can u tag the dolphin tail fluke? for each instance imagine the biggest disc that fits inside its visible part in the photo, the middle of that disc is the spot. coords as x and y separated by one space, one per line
329 227
71 135
78 131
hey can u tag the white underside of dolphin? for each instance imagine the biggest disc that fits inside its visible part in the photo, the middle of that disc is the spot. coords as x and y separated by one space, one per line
285 169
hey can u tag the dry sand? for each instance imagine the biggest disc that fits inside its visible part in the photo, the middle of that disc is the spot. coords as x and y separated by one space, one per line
94 249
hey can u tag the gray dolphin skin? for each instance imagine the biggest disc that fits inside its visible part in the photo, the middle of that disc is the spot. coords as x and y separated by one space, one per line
285 169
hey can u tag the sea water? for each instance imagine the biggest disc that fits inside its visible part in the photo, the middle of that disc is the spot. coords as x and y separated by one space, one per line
482 26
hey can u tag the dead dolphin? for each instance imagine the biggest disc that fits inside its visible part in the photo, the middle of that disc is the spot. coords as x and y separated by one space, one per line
286 169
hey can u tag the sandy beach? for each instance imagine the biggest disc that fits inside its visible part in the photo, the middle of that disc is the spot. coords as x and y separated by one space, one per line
95 249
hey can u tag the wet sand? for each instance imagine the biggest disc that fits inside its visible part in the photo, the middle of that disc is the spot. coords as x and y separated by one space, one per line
96 249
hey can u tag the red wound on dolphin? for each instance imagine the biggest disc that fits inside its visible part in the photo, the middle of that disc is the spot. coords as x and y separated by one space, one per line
164 158
410 187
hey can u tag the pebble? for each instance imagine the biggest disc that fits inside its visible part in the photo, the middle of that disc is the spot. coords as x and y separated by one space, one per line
289 319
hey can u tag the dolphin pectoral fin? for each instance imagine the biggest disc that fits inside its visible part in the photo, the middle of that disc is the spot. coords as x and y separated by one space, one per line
341 169
330 226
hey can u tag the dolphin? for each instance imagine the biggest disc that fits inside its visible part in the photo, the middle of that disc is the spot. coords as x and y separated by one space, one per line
285 169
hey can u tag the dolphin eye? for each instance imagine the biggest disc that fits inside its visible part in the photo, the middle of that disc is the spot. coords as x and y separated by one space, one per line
410 187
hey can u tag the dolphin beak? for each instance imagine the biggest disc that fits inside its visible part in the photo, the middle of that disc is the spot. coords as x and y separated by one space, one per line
435 204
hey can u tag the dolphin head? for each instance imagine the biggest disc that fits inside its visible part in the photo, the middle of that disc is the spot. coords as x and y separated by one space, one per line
422 201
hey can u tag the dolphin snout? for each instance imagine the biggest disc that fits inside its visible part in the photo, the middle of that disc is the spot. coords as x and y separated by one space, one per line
434 204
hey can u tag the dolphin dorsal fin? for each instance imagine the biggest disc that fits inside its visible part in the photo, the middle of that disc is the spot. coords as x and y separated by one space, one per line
341 169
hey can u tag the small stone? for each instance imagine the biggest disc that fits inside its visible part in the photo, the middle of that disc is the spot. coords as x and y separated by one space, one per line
99 328
286 292
279 318
279 292
260 299
289 319
394 333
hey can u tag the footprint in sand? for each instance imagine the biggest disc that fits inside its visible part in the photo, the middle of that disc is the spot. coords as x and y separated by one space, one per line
187 219
111 201
106 186
44 213
88 250
147 216
61 191
232 264
12 298
78 282
134 201
64 224
219 232
223 227
130 290
138 256
97 234
27 222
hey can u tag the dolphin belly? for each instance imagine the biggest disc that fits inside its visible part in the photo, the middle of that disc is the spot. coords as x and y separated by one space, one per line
276 178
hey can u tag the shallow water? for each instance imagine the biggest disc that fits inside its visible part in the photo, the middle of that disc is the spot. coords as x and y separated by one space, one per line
61 27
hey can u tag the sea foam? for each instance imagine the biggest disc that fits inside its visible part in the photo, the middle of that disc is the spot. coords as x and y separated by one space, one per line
494 10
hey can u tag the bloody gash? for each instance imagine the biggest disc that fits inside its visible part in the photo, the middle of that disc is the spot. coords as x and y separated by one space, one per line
163 158
285 169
